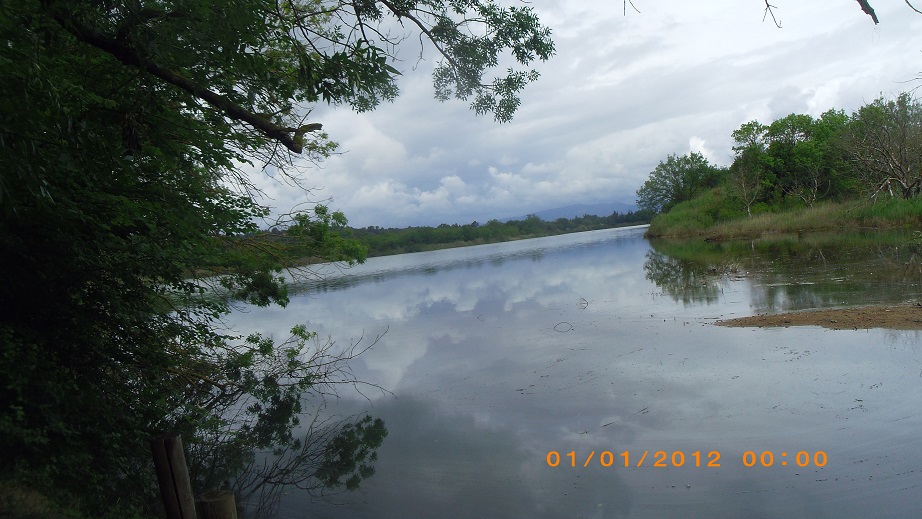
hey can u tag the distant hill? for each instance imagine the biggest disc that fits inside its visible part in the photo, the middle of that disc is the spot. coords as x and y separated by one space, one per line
571 211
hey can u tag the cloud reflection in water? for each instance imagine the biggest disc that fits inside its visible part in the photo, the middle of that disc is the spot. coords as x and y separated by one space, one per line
485 384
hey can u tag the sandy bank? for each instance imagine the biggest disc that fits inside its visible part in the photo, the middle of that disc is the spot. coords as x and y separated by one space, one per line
899 317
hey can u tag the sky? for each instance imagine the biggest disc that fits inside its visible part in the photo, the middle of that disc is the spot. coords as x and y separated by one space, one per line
624 90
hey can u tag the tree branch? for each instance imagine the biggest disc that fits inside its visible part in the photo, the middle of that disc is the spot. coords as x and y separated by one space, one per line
866 7
424 30
769 11
632 6
912 7
130 56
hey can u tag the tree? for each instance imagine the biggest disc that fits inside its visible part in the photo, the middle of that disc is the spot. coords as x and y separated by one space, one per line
837 171
750 135
793 159
746 175
676 180
128 224
795 156
885 140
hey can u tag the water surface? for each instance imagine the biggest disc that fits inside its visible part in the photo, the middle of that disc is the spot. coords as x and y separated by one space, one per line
495 355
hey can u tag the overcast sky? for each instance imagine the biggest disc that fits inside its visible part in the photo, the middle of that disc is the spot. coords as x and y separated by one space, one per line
622 93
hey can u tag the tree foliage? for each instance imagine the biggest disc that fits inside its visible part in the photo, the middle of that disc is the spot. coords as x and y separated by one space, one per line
676 180
798 160
128 224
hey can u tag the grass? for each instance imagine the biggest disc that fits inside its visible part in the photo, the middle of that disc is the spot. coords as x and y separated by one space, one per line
705 217
20 501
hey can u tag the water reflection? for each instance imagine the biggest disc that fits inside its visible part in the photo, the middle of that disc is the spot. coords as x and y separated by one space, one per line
486 380
793 272
688 281
333 277
448 464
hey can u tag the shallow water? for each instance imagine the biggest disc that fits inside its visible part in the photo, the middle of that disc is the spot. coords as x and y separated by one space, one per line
596 343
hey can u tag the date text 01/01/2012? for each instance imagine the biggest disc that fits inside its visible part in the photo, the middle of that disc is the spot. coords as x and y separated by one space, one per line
679 459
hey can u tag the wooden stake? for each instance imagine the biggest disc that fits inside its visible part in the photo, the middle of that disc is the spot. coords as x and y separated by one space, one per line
217 504
173 476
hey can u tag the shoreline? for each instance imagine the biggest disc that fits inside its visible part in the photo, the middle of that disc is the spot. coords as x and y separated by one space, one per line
907 316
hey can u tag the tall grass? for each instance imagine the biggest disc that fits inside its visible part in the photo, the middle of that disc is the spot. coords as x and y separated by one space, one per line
694 217
705 217
892 212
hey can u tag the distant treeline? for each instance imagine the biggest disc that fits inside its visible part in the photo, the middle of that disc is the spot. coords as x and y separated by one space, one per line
384 241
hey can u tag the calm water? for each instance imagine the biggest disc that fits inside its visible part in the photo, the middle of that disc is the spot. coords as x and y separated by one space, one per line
596 342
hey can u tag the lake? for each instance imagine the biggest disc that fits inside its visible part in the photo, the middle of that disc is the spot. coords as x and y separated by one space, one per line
502 360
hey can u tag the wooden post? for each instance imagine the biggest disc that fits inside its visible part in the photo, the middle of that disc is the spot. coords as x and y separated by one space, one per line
217 504
173 475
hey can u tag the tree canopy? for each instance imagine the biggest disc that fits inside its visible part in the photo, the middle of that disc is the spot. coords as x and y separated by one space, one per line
797 161
676 180
128 224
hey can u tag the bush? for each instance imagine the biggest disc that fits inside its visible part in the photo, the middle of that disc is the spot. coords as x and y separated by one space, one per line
695 216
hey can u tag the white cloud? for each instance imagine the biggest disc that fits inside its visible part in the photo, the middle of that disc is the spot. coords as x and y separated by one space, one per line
699 145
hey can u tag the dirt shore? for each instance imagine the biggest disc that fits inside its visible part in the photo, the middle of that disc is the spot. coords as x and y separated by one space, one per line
899 317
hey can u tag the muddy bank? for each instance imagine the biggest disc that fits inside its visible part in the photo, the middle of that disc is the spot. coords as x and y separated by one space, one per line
896 317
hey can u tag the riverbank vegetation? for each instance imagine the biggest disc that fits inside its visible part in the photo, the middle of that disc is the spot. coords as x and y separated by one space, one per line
381 242
798 174
344 243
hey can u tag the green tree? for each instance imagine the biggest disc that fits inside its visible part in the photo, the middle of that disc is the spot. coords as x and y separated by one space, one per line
791 158
676 180
126 216
830 133
804 160
751 135
532 224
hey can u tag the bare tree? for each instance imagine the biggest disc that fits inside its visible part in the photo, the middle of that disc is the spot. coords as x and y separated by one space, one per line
745 178
885 140
810 187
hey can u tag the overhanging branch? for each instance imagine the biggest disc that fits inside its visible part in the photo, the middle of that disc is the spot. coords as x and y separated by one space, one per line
866 7
291 138
912 7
